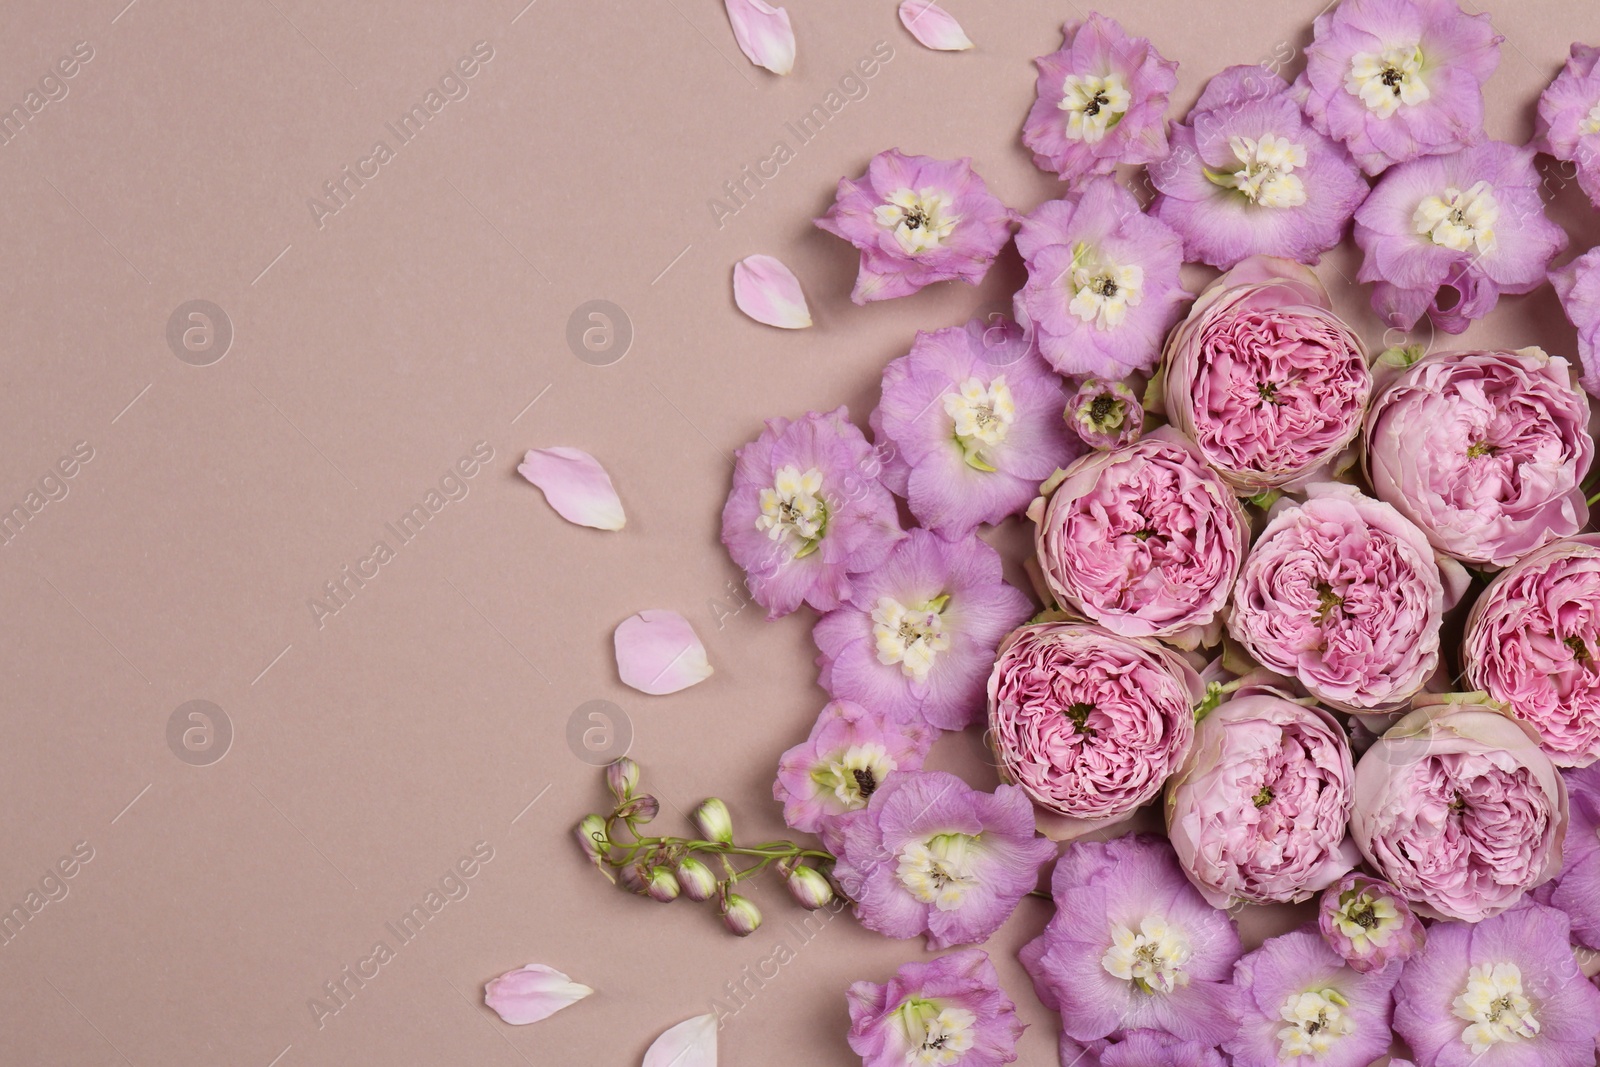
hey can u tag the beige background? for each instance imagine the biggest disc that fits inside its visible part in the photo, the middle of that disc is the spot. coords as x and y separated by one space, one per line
369 354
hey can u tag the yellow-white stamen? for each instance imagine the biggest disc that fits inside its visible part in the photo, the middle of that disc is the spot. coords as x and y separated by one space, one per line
1093 105
1494 1006
1317 1018
921 220
1385 80
1459 220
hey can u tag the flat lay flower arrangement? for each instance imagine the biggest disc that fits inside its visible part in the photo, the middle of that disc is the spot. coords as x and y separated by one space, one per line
1331 612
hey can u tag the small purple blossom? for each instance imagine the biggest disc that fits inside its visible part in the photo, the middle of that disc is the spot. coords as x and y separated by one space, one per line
1103 286
1505 992
1102 101
948 1012
1248 175
917 220
1577 285
1576 890
1444 236
1399 79
807 512
850 753
972 417
1302 1007
917 637
1140 1048
1368 923
1568 123
930 854
1105 415
1133 945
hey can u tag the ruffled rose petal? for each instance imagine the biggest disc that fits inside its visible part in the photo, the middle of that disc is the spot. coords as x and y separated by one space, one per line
933 26
763 33
576 486
768 292
532 993
692 1043
659 653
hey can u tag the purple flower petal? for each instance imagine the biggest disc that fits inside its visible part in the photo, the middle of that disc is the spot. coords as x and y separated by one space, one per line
575 485
532 993
763 33
768 292
658 652
933 26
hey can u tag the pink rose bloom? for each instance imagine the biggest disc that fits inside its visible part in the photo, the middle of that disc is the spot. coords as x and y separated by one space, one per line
1265 377
1145 540
1088 723
1485 451
1346 595
1258 810
1532 643
1460 810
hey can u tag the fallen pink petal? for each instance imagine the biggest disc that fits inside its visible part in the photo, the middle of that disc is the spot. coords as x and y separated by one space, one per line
763 33
768 292
692 1043
658 652
933 26
575 485
532 993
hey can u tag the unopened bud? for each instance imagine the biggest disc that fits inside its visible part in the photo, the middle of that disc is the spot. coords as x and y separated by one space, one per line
591 835
740 915
634 878
714 821
696 879
640 809
622 777
809 887
662 885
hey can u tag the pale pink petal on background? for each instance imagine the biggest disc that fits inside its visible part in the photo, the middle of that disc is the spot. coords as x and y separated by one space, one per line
768 292
532 993
692 1043
933 26
763 33
575 485
659 653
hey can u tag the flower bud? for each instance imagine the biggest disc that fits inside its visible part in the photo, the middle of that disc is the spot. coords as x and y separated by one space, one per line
740 914
696 879
715 823
623 778
591 835
662 885
634 878
640 808
809 887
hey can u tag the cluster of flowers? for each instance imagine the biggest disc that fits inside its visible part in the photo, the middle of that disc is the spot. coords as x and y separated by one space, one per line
1243 607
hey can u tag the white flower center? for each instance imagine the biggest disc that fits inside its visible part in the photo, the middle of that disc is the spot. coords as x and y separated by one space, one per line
911 637
920 220
1093 105
854 774
1367 922
1494 1006
1103 292
935 1035
794 506
1459 220
982 415
1152 959
1591 124
1316 1020
1267 176
1385 80
940 870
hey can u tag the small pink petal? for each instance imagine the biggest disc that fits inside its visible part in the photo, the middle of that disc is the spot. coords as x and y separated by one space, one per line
535 992
575 485
659 653
933 26
692 1043
763 33
768 292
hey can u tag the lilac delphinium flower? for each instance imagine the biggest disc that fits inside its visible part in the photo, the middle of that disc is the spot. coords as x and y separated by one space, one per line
1248 175
1444 236
1399 79
1577 285
1506 992
1102 101
930 854
917 220
1141 1048
1302 1007
1133 945
1105 415
1568 124
917 638
806 512
850 753
1368 923
948 1012
973 416
1576 890
1103 285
